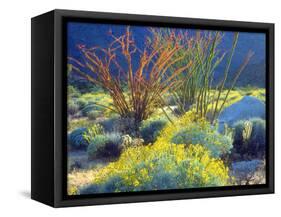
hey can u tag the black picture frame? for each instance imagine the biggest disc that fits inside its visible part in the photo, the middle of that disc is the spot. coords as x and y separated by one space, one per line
48 148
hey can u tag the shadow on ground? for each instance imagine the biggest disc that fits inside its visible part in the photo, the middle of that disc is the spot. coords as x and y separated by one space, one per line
25 194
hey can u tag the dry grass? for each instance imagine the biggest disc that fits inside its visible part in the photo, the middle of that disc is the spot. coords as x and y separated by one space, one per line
84 176
79 178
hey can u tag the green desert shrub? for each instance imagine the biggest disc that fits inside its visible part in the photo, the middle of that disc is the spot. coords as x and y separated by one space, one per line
81 137
86 106
97 143
109 124
76 140
72 91
151 129
72 107
92 132
78 123
81 102
128 126
252 145
105 146
207 135
87 109
93 115
164 179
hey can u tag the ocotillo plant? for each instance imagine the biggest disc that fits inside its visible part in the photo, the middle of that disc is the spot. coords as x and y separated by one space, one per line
197 87
207 59
217 101
146 83
200 48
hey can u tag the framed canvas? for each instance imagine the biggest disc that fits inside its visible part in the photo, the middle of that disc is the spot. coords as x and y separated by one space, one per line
133 108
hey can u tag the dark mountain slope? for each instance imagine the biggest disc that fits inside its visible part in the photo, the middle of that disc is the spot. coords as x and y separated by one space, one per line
97 34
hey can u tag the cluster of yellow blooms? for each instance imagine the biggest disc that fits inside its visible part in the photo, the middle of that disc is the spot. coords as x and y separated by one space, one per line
191 165
169 131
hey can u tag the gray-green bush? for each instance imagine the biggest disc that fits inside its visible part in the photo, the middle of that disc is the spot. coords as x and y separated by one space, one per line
72 107
151 129
76 139
92 115
207 135
106 146
109 124
254 147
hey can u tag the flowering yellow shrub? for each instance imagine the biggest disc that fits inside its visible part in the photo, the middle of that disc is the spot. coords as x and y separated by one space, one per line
162 165
156 167
190 129
169 131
